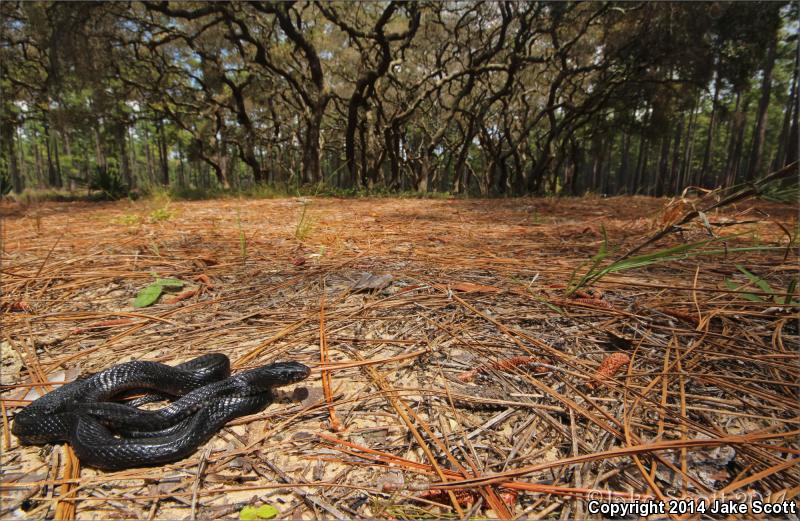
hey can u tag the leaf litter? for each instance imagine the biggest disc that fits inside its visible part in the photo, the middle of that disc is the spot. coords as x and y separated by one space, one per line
465 364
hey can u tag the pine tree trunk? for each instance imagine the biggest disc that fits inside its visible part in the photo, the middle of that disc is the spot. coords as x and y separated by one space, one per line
674 175
120 132
11 153
22 167
737 137
181 167
99 157
53 179
686 172
57 157
597 161
704 174
622 184
37 163
133 160
641 165
780 154
757 152
732 133
605 171
148 154
663 163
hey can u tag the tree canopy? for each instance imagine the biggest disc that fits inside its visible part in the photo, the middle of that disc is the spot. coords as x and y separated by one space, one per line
483 98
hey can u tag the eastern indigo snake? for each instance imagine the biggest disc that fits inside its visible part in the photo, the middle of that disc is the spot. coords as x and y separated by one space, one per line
114 435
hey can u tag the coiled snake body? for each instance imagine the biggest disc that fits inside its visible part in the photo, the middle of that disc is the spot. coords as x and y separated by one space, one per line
111 435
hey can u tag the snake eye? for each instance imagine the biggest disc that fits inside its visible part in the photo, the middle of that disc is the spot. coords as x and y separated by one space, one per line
302 373
284 373
297 371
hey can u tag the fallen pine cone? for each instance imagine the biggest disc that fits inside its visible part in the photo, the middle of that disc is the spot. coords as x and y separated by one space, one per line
20 305
689 318
608 368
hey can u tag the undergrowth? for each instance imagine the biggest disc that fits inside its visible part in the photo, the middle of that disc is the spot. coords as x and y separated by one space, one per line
597 270
200 194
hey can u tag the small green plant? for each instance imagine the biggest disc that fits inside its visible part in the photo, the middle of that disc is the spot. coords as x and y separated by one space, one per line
242 239
159 202
258 513
680 252
793 238
786 193
150 294
5 184
786 299
305 224
106 180
536 217
128 219
161 214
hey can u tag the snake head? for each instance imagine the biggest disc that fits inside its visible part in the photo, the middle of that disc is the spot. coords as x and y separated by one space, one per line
290 372
278 374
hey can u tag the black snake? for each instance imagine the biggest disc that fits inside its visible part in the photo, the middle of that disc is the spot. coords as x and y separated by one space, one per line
112 435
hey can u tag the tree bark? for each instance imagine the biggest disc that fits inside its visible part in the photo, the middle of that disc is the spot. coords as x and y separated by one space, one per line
792 145
393 151
780 154
99 156
663 161
312 172
732 133
162 155
674 175
688 151
148 154
597 161
53 178
57 156
181 167
120 134
704 178
133 160
737 142
9 135
37 161
757 152
641 166
622 183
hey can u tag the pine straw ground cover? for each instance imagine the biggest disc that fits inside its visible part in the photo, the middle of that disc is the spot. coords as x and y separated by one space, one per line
465 386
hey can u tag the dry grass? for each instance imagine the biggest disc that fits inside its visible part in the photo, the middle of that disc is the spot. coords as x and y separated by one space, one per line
469 386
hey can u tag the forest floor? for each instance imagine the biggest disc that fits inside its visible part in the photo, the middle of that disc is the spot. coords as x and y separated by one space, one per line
463 379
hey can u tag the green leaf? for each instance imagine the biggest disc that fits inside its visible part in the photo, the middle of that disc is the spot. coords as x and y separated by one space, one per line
747 296
790 291
593 270
758 281
147 296
170 283
256 513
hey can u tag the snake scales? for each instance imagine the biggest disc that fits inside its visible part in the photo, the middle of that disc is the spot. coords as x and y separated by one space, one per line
113 435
